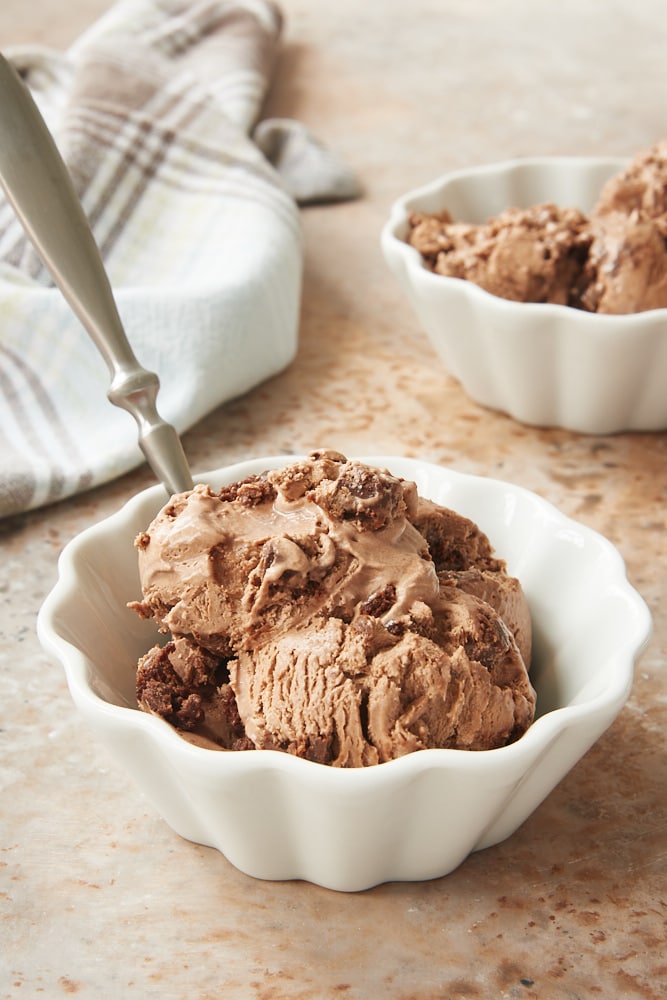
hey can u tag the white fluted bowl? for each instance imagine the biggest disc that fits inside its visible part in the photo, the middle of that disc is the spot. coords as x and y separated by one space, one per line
545 365
276 816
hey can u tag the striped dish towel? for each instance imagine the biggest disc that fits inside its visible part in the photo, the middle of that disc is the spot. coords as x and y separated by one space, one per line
153 109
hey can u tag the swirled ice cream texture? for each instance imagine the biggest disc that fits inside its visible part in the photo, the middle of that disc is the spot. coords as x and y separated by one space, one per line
328 611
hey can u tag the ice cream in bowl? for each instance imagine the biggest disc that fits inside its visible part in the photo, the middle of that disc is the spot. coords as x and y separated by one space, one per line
542 283
348 671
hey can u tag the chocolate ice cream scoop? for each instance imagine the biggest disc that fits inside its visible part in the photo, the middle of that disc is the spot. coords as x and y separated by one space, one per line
639 189
233 568
526 255
352 694
326 610
627 265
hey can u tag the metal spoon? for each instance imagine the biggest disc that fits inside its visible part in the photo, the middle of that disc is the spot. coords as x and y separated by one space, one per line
39 187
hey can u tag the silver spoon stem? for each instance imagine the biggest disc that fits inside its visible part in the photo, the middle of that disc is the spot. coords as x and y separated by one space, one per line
38 185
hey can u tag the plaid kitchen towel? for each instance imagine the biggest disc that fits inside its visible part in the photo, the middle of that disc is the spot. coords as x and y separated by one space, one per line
153 109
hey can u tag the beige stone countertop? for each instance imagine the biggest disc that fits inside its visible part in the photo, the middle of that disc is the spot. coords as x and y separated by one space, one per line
99 898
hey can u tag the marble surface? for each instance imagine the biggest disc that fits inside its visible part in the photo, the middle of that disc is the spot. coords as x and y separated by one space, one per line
98 897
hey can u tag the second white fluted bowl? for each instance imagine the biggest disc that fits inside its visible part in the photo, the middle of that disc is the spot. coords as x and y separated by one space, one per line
546 365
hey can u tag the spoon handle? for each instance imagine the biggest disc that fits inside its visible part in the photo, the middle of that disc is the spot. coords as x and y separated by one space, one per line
38 185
